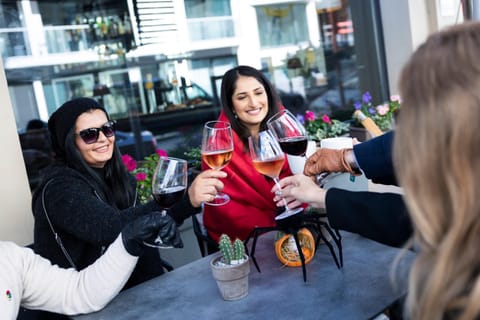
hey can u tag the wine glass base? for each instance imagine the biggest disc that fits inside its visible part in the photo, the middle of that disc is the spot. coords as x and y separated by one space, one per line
219 200
288 213
158 243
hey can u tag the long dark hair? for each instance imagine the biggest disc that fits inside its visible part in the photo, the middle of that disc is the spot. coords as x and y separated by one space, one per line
115 180
229 83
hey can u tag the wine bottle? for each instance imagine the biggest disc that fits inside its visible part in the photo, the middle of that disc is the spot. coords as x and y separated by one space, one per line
368 123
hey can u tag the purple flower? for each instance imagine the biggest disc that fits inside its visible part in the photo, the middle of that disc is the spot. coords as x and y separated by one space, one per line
367 97
371 110
358 105
301 118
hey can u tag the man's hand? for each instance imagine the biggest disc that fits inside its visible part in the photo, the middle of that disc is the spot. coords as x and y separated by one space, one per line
330 160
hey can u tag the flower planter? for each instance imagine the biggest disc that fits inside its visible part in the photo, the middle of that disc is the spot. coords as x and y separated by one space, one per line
360 133
232 280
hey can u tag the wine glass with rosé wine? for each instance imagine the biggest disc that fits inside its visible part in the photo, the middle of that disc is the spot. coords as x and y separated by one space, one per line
268 159
290 133
217 151
169 183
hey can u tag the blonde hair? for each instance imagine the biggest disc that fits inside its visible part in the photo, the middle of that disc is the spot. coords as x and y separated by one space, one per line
437 158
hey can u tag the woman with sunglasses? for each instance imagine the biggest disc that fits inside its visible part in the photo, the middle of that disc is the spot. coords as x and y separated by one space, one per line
87 196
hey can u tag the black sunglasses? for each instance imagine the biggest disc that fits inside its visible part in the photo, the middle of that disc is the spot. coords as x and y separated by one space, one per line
90 135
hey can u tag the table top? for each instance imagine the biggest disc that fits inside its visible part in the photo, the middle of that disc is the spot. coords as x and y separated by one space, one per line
362 289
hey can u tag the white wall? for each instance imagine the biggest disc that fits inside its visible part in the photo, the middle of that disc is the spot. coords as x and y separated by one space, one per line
407 24
16 220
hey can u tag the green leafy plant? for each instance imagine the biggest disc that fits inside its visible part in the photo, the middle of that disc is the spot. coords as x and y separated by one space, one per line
194 157
232 253
143 172
323 127
382 114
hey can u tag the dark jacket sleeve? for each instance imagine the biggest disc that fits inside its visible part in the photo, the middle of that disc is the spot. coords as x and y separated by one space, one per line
182 210
374 157
381 217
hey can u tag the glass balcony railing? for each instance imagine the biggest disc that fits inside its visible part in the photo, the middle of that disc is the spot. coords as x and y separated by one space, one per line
12 42
62 39
210 28
59 39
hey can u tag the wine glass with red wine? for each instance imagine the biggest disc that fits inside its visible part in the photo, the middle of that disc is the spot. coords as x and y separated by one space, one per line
289 132
217 151
168 187
268 159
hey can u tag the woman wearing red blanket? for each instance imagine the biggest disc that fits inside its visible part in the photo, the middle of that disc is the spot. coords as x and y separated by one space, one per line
248 101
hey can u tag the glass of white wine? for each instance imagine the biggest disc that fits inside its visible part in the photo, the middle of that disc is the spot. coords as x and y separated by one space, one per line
268 159
217 151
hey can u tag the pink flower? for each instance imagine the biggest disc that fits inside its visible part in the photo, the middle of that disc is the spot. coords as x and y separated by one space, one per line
129 162
395 98
141 176
161 153
383 109
326 119
309 115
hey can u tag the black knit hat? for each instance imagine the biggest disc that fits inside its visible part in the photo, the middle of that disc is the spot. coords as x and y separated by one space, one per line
64 118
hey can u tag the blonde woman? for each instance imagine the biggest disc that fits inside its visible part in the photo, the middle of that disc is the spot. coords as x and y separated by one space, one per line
437 158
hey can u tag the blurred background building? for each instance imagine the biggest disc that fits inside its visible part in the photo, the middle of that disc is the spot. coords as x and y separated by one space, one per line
147 58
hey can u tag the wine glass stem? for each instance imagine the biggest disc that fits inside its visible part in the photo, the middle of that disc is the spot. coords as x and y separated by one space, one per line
277 182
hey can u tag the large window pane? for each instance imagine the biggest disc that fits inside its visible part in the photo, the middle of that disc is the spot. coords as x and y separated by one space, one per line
207 8
282 24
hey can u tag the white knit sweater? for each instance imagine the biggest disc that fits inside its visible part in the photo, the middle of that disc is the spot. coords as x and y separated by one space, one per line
28 280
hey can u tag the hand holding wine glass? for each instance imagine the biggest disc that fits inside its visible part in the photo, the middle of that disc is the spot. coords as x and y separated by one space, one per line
217 151
290 133
268 159
168 187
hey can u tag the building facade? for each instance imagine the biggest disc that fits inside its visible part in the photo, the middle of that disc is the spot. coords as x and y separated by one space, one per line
145 57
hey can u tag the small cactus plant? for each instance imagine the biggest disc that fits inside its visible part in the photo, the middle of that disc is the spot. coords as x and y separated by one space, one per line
232 253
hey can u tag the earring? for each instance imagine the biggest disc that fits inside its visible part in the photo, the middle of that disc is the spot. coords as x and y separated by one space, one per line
235 115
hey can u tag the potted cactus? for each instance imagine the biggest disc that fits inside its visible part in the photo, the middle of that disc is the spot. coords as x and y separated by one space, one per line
231 268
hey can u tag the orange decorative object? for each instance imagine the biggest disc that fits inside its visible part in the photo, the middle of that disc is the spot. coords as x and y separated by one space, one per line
287 252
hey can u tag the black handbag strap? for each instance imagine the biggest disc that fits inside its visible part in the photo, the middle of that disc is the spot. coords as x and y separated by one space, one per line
57 237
